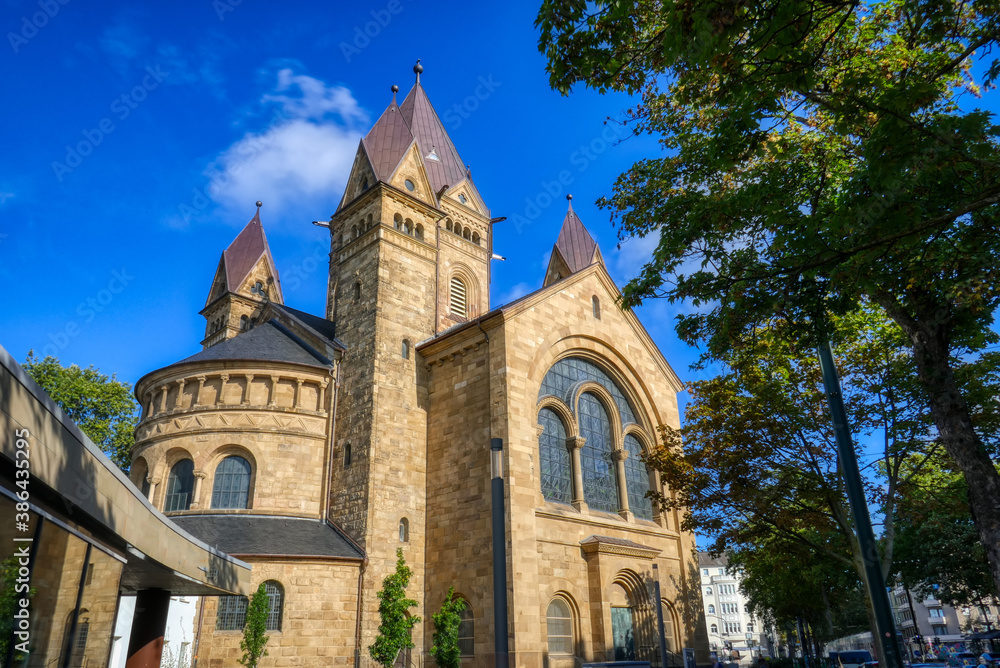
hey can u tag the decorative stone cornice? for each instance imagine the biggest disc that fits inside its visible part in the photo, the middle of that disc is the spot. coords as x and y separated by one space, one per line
620 546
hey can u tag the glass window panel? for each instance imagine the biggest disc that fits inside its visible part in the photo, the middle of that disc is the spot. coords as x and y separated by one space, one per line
232 483
600 485
554 458
567 372
466 632
180 486
97 609
232 613
637 480
275 594
559 623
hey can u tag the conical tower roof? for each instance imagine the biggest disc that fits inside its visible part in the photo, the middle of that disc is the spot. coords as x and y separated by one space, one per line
387 141
574 250
444 165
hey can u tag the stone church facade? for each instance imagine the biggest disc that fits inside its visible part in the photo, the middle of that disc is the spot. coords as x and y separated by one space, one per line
312 447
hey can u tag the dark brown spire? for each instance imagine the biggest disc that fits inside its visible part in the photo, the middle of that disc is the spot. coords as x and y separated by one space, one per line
387 141
244 253
574 250
448 169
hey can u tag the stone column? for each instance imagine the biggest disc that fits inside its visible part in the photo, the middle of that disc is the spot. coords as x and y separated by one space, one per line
274 390
153 483
149 623
246 392
575 445
163 397
180 394
620 456
199 476
197 396
222 390
298 391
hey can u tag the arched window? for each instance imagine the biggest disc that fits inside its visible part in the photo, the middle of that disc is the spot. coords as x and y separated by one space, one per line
397 221
669 627
715 628
554 459
232 483
600 485
711 609
466 632
404 530
275 599
708 590
357 292
569 371
406 349
450 226
355 232
232 613
369 221
244 323
466 234
458 229
458 298
637 480
408 226
559 627
180 486
420 231
347 455
596 304
364 184
476 238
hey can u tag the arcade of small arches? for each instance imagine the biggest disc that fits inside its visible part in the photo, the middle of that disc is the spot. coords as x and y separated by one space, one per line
466 233
590 442
231 480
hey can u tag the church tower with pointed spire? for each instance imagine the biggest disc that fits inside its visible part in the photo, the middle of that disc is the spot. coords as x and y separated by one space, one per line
244 282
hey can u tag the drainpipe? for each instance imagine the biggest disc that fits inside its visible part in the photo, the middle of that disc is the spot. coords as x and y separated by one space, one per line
331 428
357 625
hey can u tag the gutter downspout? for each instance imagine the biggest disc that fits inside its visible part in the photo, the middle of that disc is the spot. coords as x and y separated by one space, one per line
357 625
331 428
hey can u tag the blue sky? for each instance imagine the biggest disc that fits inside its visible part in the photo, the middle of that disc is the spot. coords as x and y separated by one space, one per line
138 137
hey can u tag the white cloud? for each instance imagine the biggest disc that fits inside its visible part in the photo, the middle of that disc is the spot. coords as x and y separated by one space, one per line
299 164
633 254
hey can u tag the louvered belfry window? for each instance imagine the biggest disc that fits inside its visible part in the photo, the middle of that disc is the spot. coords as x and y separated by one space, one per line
459 298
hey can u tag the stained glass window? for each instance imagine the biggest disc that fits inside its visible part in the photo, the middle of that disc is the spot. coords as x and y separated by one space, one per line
567 372
232 483
554 458
180 486
466 632
637 480
600 487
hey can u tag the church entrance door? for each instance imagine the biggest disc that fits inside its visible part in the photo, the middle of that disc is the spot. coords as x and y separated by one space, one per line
624 636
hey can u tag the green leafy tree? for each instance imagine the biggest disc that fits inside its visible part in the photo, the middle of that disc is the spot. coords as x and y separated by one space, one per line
445 650
103 407
815 155
395 629
255 629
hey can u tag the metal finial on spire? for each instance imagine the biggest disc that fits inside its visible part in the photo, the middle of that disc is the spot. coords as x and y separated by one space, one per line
395 89
259 204
569 197
417 69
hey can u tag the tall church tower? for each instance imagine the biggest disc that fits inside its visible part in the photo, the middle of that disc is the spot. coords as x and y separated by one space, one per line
410 253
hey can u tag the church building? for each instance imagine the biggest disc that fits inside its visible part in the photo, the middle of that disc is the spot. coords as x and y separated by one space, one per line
313 446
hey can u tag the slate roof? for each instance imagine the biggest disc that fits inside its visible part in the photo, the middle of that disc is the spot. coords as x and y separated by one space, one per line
268 535
267 342
575 243
387 141
430 134
321 326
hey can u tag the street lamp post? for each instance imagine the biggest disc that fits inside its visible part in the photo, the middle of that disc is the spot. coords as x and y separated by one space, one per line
500 646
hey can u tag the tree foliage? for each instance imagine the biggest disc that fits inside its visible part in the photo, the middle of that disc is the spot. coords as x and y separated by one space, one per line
445 650
396 626
255 629
816 155
103 407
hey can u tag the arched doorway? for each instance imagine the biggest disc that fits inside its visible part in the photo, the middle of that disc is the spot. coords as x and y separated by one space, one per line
622 624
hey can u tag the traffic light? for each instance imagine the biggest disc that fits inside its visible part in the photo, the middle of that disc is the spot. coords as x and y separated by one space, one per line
917 639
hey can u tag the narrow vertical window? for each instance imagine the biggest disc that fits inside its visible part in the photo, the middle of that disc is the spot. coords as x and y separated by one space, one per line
404 530
406 349
466 632
275 595
600 484
637 480
596 303
357 292
180 485
458 298
559 627
554 459
347 455
244 323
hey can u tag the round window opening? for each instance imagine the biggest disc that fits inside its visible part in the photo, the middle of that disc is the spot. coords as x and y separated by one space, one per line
409 185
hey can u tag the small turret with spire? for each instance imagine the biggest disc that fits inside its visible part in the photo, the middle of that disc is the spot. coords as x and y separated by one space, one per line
574 250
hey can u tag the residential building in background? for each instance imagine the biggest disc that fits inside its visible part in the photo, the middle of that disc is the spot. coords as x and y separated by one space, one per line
733 633
926 623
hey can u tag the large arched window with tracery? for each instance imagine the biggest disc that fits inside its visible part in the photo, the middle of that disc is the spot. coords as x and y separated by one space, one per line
554 458
600 485
637 479
180 486
232 483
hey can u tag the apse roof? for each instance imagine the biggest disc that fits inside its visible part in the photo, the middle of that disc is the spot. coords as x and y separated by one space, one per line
267 342
268 535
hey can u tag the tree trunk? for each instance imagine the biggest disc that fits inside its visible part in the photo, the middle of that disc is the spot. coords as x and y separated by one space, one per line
931 342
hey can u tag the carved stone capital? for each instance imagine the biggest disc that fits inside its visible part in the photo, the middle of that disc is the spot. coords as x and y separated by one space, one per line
619 455
201 474
575 442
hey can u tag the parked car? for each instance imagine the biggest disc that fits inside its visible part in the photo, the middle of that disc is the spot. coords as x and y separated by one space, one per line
856 658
